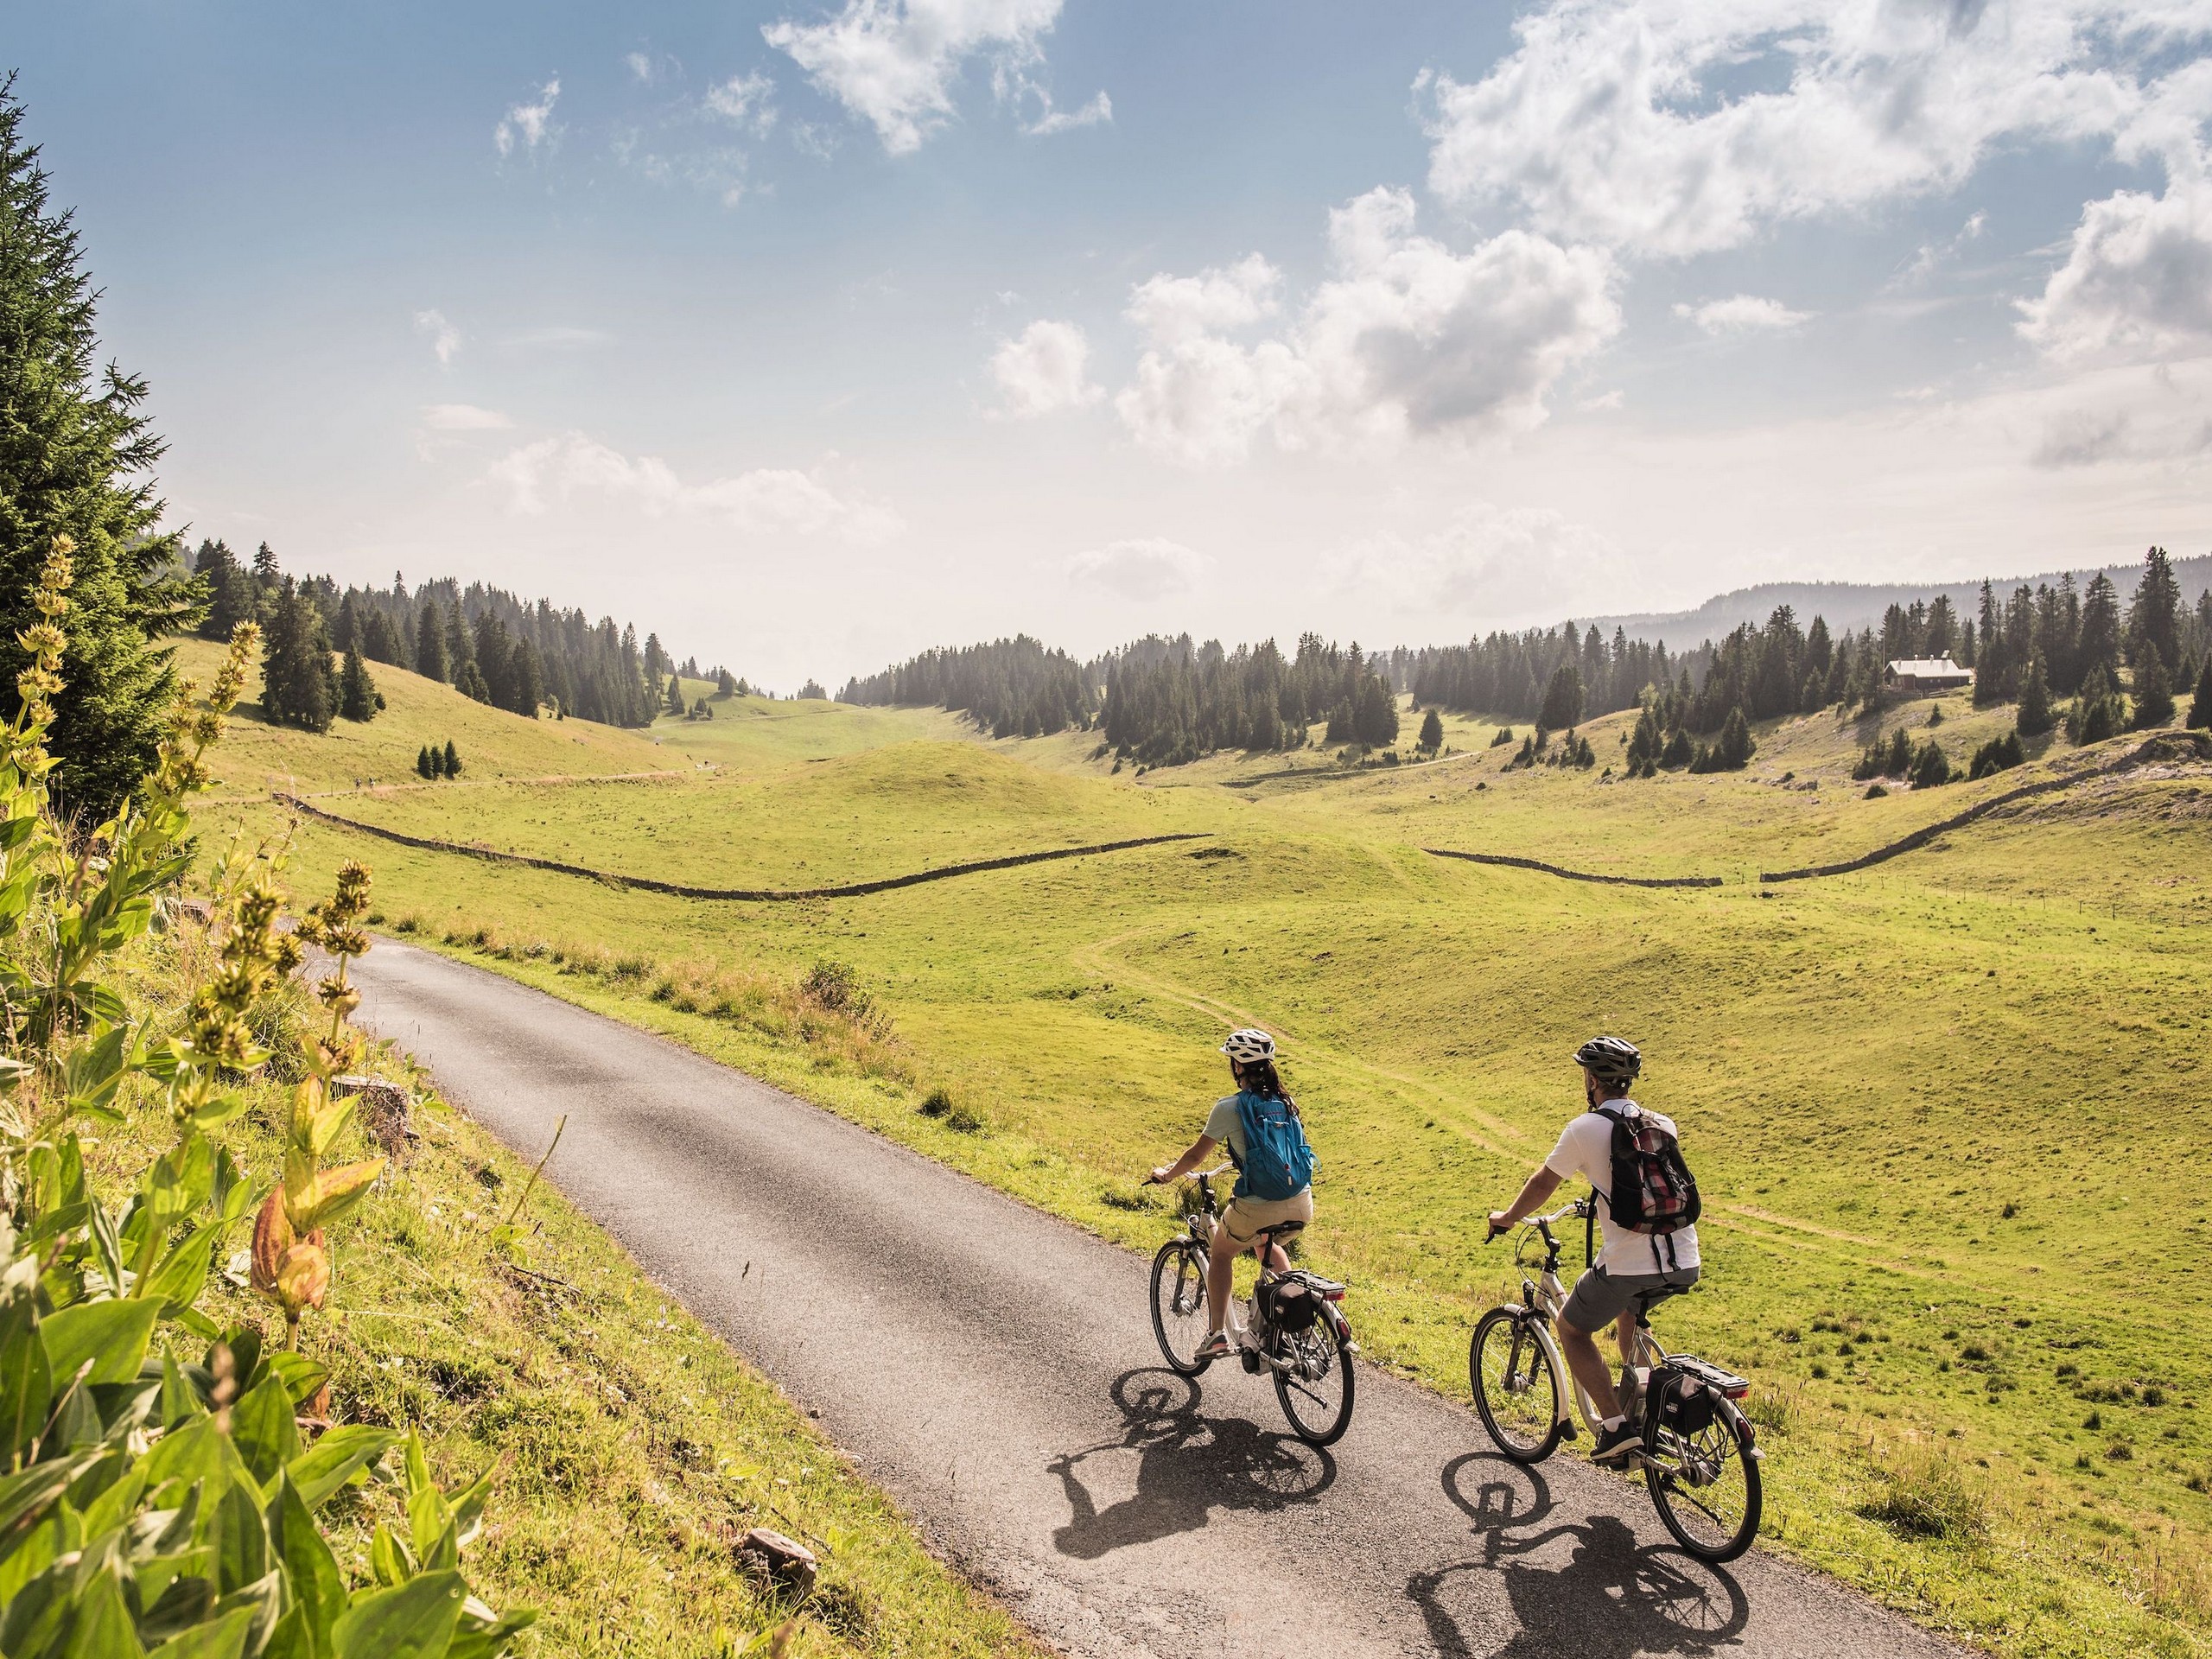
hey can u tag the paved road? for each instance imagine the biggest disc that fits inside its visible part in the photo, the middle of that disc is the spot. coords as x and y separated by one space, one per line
994 1368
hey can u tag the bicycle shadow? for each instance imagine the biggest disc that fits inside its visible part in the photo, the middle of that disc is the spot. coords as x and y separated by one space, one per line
1187 1465
1612 1598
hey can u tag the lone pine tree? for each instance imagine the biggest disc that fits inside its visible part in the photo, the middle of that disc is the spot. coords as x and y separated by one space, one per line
357 692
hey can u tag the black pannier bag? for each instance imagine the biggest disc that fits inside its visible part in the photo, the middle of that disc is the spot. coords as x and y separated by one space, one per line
1687 1392
1291 1304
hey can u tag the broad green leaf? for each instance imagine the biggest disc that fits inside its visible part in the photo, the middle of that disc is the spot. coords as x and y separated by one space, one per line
198 1451
224 1639
102 1629
302 1377
263 1430
112 1335
180 1396
318 1589
241 1539
332 1192
491 1638
388 1558
334 1459
413 1621
26 1378
176 1283
109 1243
26 1494
35 1549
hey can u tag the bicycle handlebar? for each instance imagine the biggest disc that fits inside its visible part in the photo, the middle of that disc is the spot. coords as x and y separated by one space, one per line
1577 1210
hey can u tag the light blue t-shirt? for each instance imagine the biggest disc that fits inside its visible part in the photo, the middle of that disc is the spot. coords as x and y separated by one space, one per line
1225 1125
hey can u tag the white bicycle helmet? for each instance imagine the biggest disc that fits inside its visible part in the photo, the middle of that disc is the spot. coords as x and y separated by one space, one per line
1250 1047
1613 1060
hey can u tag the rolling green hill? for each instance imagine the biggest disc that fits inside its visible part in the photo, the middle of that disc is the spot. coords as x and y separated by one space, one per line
1936 1106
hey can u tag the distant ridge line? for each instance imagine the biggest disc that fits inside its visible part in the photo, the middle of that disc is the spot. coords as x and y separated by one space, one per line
740 895
1512 862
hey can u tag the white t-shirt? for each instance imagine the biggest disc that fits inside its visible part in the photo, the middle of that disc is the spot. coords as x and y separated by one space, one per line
1585 1152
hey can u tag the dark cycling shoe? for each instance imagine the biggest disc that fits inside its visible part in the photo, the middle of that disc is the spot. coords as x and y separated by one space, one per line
1616 1446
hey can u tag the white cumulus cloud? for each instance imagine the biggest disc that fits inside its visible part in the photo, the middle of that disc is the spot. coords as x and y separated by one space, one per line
574 469
1044 370
2138 276
1407 338
893 63
1669 128
1142 569
444 338
528 125
1743 313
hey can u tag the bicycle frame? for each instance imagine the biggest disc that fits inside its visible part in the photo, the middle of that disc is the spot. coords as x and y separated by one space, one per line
1544 1298
1209 1212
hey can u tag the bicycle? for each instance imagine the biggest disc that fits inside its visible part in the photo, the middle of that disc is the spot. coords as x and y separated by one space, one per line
1699 1456
1297 1327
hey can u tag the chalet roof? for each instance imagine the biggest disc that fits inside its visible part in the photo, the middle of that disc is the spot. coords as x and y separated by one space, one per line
1929 668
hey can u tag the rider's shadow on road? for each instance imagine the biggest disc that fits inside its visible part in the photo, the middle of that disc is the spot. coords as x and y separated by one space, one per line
1611 1598
1186 1466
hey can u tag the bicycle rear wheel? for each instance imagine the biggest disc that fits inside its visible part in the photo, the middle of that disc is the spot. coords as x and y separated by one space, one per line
1317 1396
1179 1305
1516 1390
1704 1485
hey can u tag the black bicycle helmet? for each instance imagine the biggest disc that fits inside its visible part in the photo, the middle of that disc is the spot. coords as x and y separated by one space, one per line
1611 1060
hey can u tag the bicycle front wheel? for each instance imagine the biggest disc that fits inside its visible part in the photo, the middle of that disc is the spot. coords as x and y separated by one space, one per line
1179 1305
1316 1393
1515 1386
1705 1486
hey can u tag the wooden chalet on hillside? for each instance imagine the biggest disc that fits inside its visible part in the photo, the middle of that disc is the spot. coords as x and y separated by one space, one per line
1916 676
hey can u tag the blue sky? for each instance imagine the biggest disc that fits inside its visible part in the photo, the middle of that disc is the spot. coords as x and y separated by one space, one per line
811 334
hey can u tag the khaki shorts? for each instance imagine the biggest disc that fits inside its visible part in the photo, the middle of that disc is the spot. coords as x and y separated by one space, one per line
1245 1218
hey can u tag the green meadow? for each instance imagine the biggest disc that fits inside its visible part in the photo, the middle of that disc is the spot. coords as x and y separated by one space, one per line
1943 1109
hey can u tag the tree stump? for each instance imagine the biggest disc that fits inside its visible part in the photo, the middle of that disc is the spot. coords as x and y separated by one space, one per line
384 1112
784 1562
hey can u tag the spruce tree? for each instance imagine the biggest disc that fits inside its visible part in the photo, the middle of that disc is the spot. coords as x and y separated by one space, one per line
2034 717
1562 705
299 687
452 767
424 766
2154 692
431 661
1931 768
2154 614
76 451
469 682
2098 712
675 705
1432 732
2099 644
1734 751
2200 707
357 692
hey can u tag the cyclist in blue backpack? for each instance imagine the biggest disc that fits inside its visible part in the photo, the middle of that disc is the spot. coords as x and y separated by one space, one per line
1266 1140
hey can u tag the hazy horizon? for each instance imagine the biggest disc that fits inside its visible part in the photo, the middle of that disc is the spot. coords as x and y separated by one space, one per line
814 335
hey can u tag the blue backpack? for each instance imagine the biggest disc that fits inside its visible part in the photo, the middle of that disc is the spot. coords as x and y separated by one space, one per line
1278 1164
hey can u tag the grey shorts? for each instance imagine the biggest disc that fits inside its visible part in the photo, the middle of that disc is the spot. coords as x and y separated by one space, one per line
1599 1297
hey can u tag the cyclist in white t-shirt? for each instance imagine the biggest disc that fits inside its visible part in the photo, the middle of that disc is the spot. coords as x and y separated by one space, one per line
1629 1265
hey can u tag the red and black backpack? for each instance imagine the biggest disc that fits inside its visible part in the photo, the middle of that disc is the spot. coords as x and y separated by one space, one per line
1653 1192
